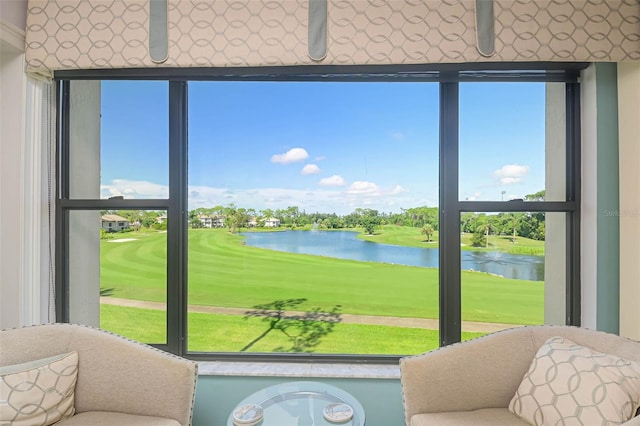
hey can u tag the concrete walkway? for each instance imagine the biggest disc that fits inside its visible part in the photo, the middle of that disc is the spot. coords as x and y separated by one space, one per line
430 324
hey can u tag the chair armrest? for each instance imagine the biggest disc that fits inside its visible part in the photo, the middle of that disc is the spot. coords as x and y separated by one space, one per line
114 373
117 374
481 373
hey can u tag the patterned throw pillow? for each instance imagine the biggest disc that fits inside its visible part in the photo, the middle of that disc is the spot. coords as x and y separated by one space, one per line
571 384
39 392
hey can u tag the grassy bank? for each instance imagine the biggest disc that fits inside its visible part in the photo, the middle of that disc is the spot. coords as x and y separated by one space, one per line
413 237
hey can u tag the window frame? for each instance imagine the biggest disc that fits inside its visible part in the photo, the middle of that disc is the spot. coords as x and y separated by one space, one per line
450 207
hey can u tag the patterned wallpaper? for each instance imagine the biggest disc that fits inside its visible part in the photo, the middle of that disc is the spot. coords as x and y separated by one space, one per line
86 34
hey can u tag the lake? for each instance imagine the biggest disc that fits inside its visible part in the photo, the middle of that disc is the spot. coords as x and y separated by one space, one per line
346 245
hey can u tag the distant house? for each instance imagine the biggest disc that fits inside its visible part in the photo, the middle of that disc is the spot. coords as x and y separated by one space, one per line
211 221
205 220
252 222
114 223
271 222
161 218
218 221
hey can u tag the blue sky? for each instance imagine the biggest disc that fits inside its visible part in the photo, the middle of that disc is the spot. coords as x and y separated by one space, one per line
327 147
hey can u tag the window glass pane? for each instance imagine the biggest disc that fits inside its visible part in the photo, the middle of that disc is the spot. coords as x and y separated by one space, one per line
313 218
117 272
513 270
512 141
119 139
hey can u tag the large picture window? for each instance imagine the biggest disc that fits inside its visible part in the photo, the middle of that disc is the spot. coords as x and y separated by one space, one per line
353 216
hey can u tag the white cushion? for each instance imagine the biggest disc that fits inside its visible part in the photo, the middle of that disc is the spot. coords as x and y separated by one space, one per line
571 384
39 392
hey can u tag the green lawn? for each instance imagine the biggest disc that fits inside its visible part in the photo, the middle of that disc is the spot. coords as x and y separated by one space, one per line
401 236
224 272
413 237
228 333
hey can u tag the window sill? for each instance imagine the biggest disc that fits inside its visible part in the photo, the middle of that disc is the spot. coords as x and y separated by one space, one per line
289 369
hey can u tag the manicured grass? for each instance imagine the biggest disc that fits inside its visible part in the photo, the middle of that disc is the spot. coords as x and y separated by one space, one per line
504 243
143 325
224 272
228 333
401 236
413 237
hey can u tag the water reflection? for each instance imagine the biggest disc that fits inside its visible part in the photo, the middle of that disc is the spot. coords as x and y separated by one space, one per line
346 245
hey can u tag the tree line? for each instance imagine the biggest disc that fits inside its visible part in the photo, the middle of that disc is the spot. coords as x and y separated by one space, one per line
481 225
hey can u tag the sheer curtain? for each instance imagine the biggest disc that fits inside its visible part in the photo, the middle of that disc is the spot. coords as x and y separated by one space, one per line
38 199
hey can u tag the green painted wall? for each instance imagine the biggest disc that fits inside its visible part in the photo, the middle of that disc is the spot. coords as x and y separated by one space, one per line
216 396
608 199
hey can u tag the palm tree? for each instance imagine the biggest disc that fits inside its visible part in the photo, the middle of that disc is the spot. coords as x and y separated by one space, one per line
428 232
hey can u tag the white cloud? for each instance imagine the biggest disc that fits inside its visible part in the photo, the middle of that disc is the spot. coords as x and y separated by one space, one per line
371 195
363 187
370 189
206 191
133 189
334 197
507 180
511 173
335 180
310 169
397 189
292 156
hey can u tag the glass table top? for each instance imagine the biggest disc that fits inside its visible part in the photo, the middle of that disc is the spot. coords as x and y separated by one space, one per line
303 403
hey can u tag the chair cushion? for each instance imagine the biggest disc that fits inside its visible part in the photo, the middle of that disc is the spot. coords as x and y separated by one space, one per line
573 383
38 392
482 417
108 418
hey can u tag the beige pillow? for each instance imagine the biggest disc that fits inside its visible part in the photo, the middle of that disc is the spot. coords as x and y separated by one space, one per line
577 385
39 392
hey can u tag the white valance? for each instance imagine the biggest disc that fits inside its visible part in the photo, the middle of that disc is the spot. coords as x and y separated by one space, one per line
90 34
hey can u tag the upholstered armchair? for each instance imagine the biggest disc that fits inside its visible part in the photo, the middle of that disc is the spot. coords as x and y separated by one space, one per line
119 381
474 382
